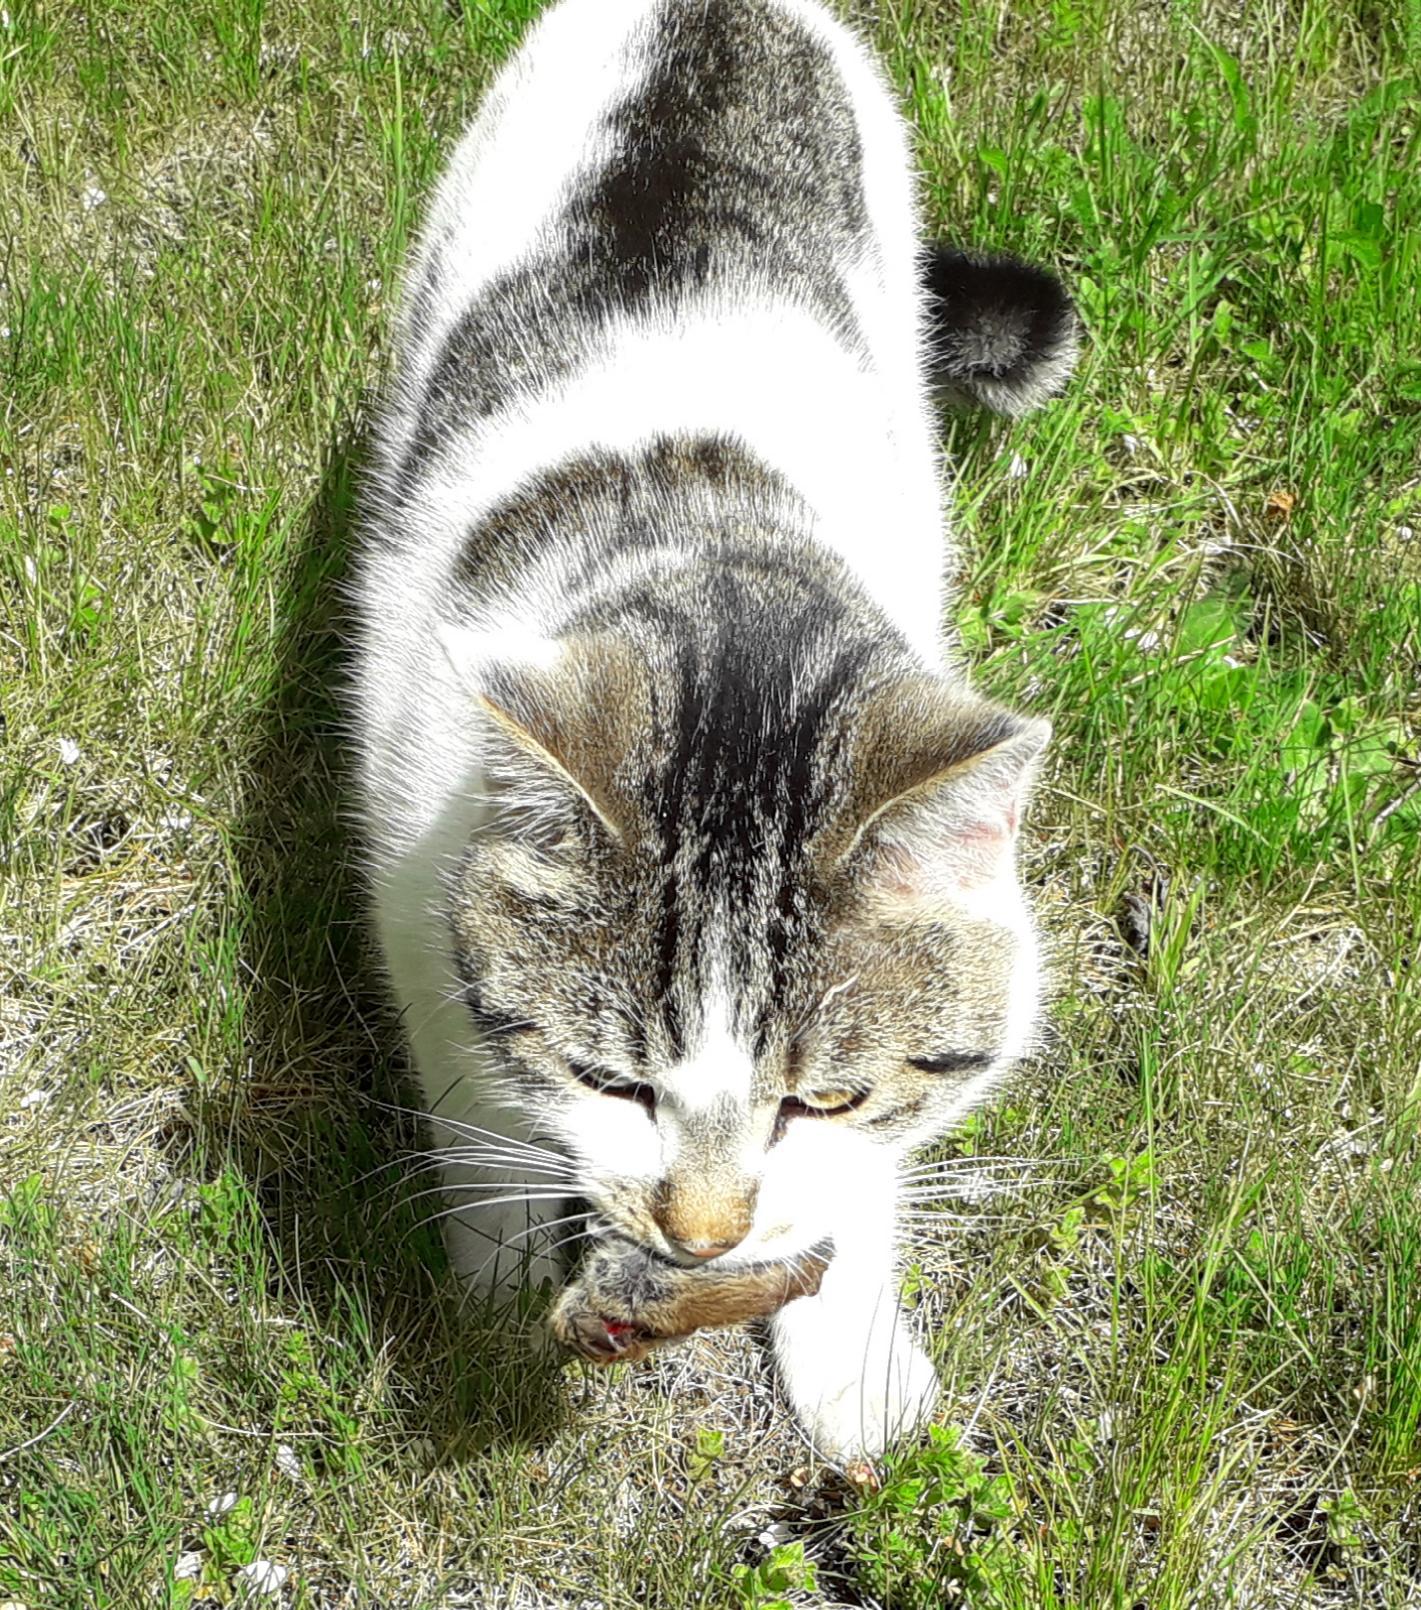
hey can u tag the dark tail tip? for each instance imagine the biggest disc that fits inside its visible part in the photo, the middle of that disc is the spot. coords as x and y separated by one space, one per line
1001 332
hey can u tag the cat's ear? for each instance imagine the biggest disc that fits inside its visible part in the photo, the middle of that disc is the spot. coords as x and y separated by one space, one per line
561 719
939 785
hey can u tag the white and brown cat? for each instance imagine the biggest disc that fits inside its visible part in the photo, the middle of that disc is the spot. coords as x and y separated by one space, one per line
692 847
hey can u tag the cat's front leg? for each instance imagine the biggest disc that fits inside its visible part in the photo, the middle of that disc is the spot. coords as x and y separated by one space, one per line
857 1379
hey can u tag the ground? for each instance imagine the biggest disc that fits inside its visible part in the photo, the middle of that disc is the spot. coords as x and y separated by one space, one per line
1173 1276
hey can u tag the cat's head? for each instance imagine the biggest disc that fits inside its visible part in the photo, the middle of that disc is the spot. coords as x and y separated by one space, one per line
741 936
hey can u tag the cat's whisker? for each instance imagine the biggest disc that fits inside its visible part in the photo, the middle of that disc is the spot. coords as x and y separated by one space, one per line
482 1155
475 1229
410 1166
568 1241
471 1207
479 1150
506 1243
982 1188
980 1191
980 1185
545 1225
457 1208
470 1135
400 1162
972 1221
796 1265
452 1188
474 1131
1003 1181
474 1157
966 1165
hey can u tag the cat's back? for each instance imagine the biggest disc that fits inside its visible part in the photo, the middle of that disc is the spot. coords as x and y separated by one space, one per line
715 193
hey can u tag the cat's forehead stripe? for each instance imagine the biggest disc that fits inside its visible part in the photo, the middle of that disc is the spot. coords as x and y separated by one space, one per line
748 773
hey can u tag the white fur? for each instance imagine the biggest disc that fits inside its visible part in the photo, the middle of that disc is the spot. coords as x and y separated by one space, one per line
719 1069
856 440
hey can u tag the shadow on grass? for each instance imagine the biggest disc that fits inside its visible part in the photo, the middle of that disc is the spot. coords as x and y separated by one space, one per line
310 1124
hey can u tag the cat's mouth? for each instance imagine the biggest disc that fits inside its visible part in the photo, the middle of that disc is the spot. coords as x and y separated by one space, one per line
609 1221
775 1244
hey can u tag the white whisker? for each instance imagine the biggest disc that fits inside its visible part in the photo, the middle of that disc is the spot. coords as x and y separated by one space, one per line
478 1157
541 1194
986 1165
473 1131
508 1242
469 1207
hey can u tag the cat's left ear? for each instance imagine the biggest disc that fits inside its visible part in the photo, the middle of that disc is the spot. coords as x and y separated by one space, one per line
940 784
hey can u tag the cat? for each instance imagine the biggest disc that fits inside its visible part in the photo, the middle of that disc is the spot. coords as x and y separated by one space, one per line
692 849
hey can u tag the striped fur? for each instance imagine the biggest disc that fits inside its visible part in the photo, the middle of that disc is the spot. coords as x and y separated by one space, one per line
692 849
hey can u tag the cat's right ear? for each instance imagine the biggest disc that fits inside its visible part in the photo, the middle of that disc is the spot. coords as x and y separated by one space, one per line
560 720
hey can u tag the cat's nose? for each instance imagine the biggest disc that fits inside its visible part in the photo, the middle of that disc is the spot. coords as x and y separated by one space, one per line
701 1222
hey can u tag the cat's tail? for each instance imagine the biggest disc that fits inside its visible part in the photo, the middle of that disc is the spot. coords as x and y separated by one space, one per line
1001 332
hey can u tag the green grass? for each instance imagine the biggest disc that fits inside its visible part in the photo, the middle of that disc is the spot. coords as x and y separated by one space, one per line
1182 1342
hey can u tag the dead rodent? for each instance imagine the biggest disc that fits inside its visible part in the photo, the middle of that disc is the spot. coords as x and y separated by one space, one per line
626 1300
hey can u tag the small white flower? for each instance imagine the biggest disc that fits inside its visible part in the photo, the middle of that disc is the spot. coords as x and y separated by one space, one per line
774 1535
221 1504
36 1098
1018 467
68 751
287 1462
262 1576
1132 443
1405 532
187 1566
93 197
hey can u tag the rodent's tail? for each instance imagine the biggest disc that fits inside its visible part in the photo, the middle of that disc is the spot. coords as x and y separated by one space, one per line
1001 333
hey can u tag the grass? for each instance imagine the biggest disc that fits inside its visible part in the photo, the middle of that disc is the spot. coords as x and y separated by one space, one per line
1181 1332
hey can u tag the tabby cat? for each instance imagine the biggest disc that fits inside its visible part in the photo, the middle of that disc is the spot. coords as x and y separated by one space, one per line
692 847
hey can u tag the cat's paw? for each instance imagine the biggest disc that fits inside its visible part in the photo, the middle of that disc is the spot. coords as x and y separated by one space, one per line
855 1409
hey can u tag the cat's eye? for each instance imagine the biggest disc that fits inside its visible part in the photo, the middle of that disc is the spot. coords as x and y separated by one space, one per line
953 1062
608 1084
822 1103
